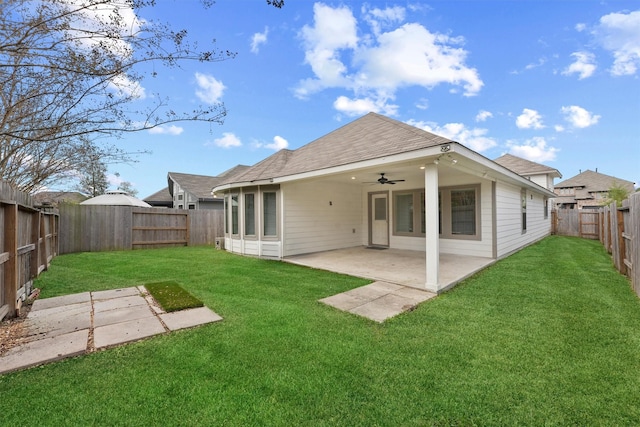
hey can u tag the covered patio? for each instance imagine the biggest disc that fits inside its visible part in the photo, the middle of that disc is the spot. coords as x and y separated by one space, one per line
401 267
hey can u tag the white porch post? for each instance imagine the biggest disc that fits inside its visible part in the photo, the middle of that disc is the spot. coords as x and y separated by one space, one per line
432 238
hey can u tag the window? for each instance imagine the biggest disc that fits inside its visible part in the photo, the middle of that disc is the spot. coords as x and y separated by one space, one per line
546 208
459 211
408 213
463 212
180 197
270 214
523 198
192 206
226 215
234 214
404 213
249 214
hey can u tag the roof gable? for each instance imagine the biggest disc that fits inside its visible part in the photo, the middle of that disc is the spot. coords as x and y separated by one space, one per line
526 167
369 137
198 185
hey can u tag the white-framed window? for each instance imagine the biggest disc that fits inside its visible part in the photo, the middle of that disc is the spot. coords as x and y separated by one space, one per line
546 208
234 214
408 213
249 214
523 198
269 214
459 209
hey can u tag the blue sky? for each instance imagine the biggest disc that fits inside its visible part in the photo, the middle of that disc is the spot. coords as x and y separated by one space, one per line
556 82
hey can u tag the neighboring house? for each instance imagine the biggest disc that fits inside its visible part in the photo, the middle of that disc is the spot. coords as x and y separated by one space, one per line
536 172
54 198
189 191
331 194
160 199
587 190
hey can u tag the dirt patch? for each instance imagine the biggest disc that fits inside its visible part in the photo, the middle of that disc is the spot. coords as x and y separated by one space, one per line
12 331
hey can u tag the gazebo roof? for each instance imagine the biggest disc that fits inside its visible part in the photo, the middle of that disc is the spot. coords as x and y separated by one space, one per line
116 198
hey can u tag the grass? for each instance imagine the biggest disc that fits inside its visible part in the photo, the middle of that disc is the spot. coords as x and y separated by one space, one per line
172 297
548 336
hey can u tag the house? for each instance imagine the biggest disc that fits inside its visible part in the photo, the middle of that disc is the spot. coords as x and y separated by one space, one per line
160 199
377 182
188 191
587 190
536 172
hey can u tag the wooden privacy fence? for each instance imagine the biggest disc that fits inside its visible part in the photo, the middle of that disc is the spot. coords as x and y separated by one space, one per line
583 223
93 228
29 242
617 228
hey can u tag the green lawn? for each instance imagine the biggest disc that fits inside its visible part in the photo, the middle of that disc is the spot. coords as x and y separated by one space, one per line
548 336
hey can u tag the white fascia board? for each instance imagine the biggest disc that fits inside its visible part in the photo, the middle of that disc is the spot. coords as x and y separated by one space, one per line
505 173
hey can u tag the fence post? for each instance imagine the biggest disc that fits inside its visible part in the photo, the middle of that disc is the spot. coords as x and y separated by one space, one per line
621 243
11 266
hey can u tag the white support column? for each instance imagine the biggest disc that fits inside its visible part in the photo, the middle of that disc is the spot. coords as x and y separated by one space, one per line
432 238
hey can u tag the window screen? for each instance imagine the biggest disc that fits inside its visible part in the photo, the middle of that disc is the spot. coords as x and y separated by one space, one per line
249 215
463 212
270 217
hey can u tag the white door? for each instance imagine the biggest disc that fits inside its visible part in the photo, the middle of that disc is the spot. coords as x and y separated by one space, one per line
379 217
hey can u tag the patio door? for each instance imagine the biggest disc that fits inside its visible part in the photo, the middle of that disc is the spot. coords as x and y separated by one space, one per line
378 219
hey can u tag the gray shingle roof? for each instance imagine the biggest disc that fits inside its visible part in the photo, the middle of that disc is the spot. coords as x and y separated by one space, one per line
594 181
198 185
369 137
160 196
525 167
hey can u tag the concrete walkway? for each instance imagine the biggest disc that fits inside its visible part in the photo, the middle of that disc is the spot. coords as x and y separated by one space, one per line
378 301
71 325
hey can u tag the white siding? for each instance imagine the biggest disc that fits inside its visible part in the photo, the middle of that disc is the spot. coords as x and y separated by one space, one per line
510 237
481 248
321 216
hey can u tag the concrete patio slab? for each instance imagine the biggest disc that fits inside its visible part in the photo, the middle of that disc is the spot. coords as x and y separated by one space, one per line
118 303
65 300
189 318
61 327
111 317
45 350
124 332
58 323
378 301
402 267
115 293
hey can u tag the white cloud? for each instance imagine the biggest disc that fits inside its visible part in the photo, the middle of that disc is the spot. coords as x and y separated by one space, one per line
619 33
210 90
357 107
483 115
383 18
475 138
580 27
559 128
535 149
258 39
166 130
584 65
533 65
125 87
579 117
422 104
278 144
377 64
228 140
529 119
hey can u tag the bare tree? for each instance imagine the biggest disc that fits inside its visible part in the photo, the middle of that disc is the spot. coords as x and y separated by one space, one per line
69 73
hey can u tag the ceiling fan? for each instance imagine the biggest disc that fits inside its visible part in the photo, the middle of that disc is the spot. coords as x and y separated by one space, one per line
384 180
